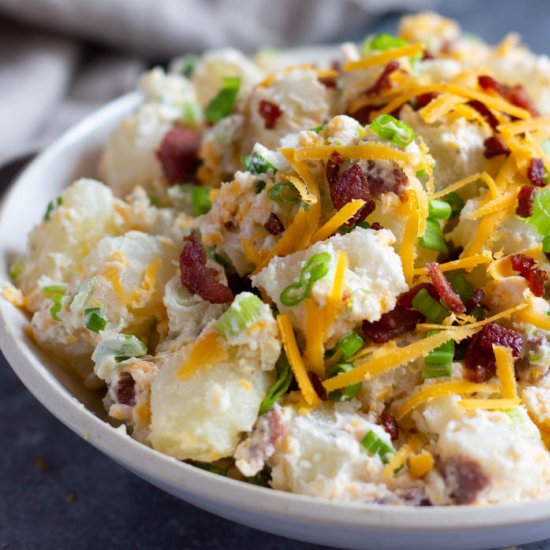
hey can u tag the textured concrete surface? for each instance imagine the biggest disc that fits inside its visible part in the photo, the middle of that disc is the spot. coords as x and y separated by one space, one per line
58 492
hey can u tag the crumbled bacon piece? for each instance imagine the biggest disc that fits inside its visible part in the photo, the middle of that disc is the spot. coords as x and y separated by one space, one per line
464 478
333 167
362 115
423 99
199 278
390 424
382 181
383 82
536 172
526 198
516 95
270 112
376 226
318 386
480 359
178 154
328 81
475 299
485 112
125 390
521 262
494 146
406 298
351 185
392 324
536 278
274 224
444 288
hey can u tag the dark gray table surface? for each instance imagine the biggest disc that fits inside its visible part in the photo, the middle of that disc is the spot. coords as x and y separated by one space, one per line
58 492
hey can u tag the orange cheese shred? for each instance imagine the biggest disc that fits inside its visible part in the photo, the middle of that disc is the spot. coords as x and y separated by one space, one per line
383 57
339 219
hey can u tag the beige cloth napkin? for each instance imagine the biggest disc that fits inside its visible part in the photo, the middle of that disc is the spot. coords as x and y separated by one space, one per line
50 77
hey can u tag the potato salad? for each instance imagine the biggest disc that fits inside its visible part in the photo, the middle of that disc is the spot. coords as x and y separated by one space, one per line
329 279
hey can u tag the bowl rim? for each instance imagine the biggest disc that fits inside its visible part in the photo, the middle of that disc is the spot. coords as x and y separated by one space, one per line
169 472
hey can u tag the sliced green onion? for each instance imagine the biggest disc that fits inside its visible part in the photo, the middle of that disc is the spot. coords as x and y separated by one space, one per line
393 129
314 269
52 205
94 319
280 386
199 197
437 370
478 312
349 345
317 129
374 445
121 348
188 65
433 237
285 193
380 43
224 103
442 355
257 164
347 393
546 244
541 212
191 112
433 310
456 202
17 267
522 424
56 308
260 186
462 287
243 312
52 291
421 173
439 210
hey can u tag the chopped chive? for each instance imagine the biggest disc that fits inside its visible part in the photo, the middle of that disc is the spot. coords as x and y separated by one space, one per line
437 370
433 237
280 386
314 269
56 308
257 164
347 393
260 186
224 103
188 65
119 348
421 173
243 312
191 112
200 200
440 356
317 129
439 210
456 202
392 129
546 244
379 43
52 205
433 310
462 287
374 445
349 345
284 193
94 319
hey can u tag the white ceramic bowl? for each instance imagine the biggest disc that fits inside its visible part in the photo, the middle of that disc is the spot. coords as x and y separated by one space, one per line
304 518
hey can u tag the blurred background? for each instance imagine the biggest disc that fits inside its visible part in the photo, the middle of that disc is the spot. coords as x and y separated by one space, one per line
60 60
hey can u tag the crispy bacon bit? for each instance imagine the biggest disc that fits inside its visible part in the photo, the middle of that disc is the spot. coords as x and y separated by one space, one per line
390 425
516 95
480 359
178 154
392 324
333 167
383 82
494 146
270 113
362 115
351 185
485 112
125 390
475 299
536 278
423 99
444 288
521 262
405 299
536 172
318 386
381 181
328 82
376 226
464 478
526 197
274 224
199 278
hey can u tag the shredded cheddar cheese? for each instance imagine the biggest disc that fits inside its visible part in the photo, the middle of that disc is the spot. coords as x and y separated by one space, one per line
366 151
383 57
462 263
407 250
208 349
334 299
338 220
421 464
506 372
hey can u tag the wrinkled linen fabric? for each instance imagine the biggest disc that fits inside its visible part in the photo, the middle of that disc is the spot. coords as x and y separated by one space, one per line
51 76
